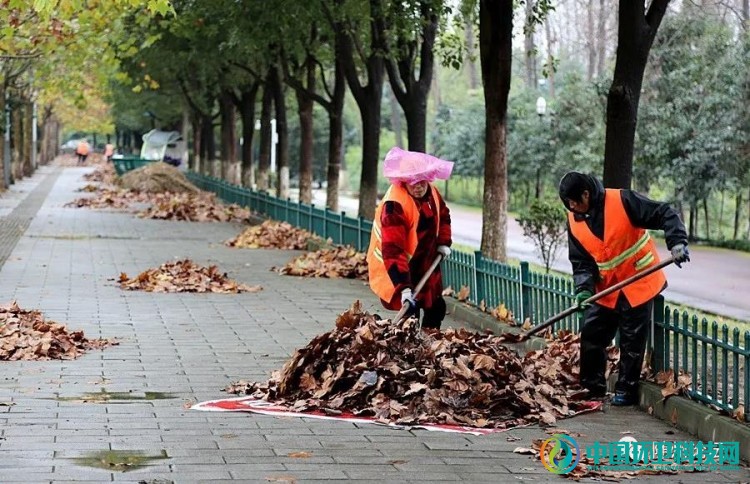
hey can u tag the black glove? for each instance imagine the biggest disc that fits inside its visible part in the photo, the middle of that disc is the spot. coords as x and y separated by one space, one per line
680 254
581 296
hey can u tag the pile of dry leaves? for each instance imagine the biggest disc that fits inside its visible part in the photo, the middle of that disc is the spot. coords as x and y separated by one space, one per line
114 198
192 207
398 373
339 262
157 177
184 276
104 173
272 234
25 335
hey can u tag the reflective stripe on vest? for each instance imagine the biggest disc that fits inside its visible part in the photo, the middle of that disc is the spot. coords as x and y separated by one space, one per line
624 251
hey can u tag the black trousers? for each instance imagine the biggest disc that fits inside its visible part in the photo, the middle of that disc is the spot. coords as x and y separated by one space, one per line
599 327
432 317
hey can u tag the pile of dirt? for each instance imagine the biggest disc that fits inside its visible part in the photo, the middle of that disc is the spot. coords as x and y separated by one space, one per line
193 207
183 276
338 262
398 373
157 177
26 335
272 234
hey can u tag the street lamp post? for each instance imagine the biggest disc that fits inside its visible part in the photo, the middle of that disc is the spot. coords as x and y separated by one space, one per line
541 108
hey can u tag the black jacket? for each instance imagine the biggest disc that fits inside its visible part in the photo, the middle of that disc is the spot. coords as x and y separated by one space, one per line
642 212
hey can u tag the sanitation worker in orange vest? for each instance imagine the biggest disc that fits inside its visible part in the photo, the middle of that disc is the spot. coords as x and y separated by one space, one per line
412 226
82 150
608 242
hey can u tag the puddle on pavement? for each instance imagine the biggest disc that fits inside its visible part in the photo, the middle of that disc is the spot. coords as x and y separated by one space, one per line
116 397
118 460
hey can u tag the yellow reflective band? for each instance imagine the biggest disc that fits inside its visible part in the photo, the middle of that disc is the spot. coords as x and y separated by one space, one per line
379 255
376 231
626 254
644 261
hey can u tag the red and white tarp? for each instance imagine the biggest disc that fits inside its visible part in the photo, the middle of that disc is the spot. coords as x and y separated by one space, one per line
254 405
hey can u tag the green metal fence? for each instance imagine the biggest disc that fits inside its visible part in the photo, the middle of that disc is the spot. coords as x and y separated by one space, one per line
719 363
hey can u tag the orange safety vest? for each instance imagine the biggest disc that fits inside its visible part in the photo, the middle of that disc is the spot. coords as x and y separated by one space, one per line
380 282
82 148
624 251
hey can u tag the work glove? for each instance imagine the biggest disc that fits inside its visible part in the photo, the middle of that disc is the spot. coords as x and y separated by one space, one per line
444 250
581 296
407 297
680 254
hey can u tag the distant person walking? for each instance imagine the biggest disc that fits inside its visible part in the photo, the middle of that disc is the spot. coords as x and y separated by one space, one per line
608 241
109 150
412 226
82 150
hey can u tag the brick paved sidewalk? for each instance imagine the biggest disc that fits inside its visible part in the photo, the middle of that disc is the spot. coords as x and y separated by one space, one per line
185 347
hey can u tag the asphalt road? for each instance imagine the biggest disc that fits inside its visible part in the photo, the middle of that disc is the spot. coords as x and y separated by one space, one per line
715 280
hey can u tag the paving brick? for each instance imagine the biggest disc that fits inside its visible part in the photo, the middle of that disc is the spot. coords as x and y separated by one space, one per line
193 346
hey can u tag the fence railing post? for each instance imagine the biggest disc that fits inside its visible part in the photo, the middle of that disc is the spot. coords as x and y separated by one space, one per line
658 333
525 291
478 276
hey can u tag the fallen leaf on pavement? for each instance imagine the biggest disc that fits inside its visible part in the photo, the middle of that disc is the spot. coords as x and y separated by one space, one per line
299 455
339 262
274 235
26 335
184 276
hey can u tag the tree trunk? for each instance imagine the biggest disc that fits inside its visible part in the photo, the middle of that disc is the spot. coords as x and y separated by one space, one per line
469 62
305 109
368 99
336 134
28 138
247 113
228 147
529 49
550 58
601 38
410 91
705 216
693 229
208 145
3 128
416 122
195 164
282 150
635 35
264 157
590 42
495 47
737 213
368 182
396 119
16 142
